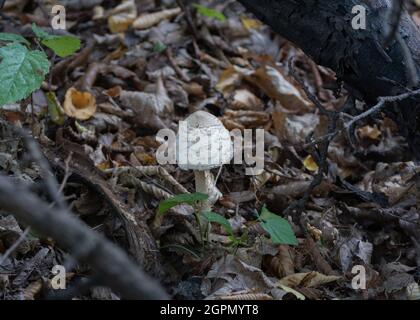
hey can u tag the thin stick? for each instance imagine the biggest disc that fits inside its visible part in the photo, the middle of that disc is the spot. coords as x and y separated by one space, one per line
15 245
112 265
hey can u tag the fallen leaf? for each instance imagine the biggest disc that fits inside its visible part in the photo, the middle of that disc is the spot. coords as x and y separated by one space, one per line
310 164
121 17
79 105
147 21
309 280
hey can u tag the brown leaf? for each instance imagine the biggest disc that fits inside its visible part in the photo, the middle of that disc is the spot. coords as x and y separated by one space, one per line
147 21
309 279
79 105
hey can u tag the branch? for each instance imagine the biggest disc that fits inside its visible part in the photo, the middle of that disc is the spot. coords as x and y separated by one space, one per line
112 265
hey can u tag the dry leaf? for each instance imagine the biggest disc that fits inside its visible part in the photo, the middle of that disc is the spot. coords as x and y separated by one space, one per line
251 24
247 119
246 100
372 133
246 297
294 128
413 291
158 102
121 17
309 280
147 21
79 105
294 292
310 164
315 233
228 79
280 87
282 264
32 290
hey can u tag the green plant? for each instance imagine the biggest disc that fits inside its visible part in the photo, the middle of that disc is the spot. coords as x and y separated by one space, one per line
278 228
210 13
22 69
191 199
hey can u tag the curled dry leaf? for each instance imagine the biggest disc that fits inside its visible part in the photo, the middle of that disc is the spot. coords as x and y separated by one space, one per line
229 78
32 290
413 291
372 133
277 85
246 100
282 264
309 280
355 248
159 102
310 164
79 105
147 21
150 108
98 13
245 119
246 297
294 128
121 17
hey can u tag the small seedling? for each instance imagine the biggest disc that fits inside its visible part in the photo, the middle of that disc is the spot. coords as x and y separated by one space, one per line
278 228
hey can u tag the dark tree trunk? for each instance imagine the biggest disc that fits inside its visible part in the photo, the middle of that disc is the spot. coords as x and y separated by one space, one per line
323 30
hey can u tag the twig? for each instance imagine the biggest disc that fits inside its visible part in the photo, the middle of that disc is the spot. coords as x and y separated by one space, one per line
382 102
112 265
188 18
38 157
67 174
320 156
150 171
15 245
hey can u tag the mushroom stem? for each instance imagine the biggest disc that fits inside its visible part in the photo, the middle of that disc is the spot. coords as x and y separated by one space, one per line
204 183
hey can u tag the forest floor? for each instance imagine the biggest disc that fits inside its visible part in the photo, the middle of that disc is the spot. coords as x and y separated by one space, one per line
352 201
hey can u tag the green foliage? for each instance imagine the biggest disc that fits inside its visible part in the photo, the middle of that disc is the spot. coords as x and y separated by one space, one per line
63 46
219 219
280 230
210 13
190 199
21 72
12 37
159 47
39 33
55 110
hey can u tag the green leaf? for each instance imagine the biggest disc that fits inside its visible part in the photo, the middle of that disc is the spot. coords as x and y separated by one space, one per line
39 33
63 46
210 13
280 230
190 199
159 47
55 110
12 37
21 72
217 218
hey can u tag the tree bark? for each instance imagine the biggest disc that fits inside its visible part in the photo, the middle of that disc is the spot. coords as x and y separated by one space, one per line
323 30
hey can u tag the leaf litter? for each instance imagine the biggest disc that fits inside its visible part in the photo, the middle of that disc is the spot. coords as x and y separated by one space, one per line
142 68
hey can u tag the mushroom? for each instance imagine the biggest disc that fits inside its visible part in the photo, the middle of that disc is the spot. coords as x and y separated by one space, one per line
203 143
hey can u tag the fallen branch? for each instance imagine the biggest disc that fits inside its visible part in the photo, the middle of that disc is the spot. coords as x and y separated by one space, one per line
112 265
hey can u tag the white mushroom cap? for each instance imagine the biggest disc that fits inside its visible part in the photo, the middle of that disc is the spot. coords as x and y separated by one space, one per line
203 143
